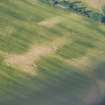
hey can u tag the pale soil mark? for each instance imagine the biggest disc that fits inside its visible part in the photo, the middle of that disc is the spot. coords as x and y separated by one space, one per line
85 62
26 61
97 4
80 63
49 23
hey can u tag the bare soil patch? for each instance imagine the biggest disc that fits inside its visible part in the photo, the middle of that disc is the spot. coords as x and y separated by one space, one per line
49 23
26 61
97 4
80 63
85 62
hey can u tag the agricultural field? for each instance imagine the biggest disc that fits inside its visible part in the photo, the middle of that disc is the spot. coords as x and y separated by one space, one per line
49 56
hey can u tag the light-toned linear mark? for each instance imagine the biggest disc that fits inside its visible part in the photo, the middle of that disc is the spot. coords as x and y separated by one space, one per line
80 63
26 60
85 62
49 23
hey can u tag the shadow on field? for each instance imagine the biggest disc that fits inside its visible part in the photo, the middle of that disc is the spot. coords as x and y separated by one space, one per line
57 84
100 70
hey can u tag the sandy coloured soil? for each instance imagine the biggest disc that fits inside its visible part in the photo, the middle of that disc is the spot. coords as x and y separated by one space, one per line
49 23
26 61
85 62
81 63
97 4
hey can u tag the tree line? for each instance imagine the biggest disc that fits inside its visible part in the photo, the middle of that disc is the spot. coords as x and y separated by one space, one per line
78 7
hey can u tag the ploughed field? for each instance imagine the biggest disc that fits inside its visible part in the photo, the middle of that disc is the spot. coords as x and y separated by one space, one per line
49 56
